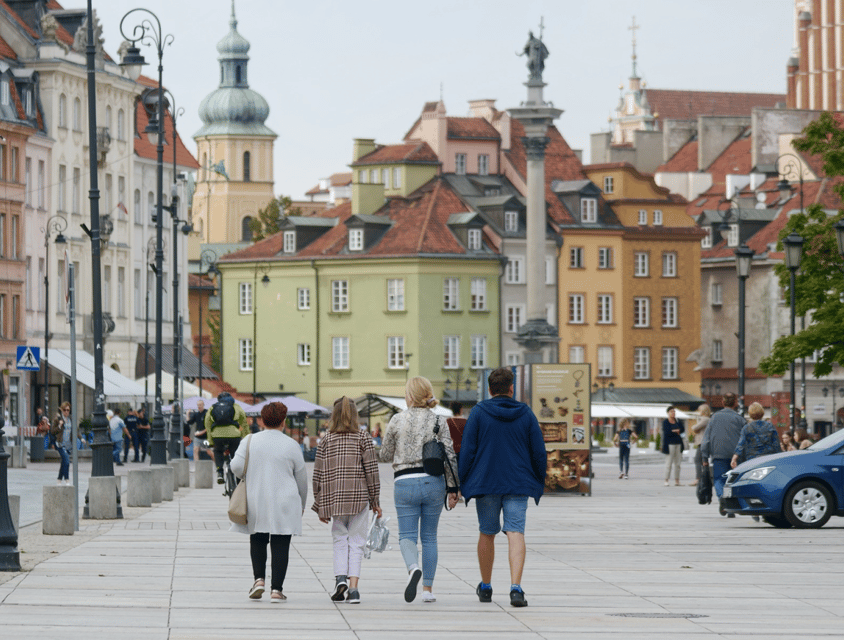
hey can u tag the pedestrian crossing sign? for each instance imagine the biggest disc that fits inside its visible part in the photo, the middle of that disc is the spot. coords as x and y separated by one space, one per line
29 358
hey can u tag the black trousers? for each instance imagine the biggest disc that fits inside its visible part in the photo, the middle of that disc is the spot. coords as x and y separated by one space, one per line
280 548
220 447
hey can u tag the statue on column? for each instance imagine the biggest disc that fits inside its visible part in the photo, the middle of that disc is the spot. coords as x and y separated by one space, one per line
536 52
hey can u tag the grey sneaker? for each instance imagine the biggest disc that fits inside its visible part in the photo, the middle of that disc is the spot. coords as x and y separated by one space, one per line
353 597
340 585
517 598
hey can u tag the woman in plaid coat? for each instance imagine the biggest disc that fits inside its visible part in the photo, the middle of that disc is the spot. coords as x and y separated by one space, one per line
346 486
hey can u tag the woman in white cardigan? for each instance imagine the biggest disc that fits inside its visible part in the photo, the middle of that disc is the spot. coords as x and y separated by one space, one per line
276 494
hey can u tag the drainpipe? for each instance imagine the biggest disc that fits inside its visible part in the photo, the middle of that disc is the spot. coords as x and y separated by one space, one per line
502 265
316 345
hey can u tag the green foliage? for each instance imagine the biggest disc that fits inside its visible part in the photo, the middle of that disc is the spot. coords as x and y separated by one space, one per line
85 426
269 219
216 343
819 284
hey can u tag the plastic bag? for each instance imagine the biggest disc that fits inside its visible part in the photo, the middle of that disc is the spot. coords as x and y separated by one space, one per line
379 536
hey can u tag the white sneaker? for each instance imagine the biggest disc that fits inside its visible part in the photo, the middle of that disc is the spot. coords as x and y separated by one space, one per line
427 596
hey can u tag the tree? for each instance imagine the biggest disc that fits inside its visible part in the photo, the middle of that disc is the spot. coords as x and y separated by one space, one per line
269 219
819 283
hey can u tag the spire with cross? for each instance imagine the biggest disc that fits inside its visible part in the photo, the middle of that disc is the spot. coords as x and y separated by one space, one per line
633 28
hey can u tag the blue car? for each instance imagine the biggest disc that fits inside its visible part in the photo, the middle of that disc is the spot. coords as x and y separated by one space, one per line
801 489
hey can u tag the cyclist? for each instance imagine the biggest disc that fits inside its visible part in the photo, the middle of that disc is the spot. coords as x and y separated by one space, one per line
225 425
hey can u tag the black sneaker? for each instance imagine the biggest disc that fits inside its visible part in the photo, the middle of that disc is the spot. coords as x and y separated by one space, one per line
353 597
340 585
220 477
412 584
484 594
517 598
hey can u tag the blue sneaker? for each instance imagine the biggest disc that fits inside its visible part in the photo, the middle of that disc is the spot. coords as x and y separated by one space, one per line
484 593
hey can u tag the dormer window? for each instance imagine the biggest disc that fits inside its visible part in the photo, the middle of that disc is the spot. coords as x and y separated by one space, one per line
511 221
474 240
27 101
706 241
355 239
492 191
588 210
289 242
608 184
732 236
460 164
4 91
483 164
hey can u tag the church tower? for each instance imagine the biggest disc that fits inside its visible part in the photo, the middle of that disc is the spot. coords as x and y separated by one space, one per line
234 149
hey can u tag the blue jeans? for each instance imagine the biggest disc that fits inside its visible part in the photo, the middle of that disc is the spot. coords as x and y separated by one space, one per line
64 466
419 503
623 458
116 448
719 468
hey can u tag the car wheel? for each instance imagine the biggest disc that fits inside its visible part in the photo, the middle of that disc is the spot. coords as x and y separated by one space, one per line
808 505
777 521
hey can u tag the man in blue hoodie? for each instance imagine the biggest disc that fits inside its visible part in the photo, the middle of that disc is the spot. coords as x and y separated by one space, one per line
502 463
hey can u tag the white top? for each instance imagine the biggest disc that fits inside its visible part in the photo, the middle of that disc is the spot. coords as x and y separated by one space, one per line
276 483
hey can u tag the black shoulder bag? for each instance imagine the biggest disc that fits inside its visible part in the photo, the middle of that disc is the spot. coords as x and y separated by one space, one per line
434 459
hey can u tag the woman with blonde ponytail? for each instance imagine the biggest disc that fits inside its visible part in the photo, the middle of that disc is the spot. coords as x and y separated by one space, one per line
419 497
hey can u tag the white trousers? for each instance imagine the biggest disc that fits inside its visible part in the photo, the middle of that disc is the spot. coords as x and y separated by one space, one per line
675 454
349 539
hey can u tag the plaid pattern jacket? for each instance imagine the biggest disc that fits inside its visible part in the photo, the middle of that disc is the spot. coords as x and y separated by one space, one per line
345 478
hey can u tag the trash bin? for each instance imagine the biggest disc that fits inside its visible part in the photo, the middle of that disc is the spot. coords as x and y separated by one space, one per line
36 449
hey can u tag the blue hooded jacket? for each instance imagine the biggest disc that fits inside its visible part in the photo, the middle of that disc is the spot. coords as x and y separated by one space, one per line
502 451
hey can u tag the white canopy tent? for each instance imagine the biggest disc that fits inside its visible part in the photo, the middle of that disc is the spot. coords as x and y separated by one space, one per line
600 410
116 386
186 389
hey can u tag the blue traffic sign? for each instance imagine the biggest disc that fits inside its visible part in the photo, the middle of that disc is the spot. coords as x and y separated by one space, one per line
29 358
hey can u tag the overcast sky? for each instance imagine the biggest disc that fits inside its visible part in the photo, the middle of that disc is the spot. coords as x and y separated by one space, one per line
333 70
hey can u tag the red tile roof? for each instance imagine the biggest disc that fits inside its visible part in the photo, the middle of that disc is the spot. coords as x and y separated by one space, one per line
144 149
417 152
474 128
560 164
688 105
684 159
6 51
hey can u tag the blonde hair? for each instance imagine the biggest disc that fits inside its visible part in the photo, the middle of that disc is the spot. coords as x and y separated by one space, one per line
344 416
756 411
625 422
420 393
704 410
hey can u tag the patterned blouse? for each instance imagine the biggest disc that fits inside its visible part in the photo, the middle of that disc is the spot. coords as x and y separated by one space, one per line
346 477
405 435
758 438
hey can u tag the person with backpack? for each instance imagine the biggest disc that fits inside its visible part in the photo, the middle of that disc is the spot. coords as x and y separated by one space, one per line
225 425
346 486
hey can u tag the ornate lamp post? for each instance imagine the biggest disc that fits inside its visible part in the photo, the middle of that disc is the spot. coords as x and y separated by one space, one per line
55 225
793 255
265 269
149 32
603 387
209 257
744 257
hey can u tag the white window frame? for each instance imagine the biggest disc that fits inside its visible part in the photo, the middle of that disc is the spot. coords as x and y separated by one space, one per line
396 177
670 313
575 257
605 308
514 272
289 242
451 294
363 174
478 356
340 352
608 184
512 358
355 239
451 352
641 264
303 298
340 296
246 354
605 362
577 354
605 258
478 298
395 352
373 176
511 221
717 351
303 354
641 312
514 317
577 302
733 236
670 362
717 293
643 217
474 240
669 264
460 164
483 164
588 210
657 217
642 363
245 298
385 178
395 294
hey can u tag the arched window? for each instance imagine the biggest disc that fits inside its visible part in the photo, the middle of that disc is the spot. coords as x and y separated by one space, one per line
247 170
204 167
139 219
108 119
150 205
246 231
121 125
77 114
237 74
62 111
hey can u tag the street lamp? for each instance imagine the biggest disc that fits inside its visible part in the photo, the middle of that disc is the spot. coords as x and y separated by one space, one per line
149 32
209 257
265 269
744 257
793 255
55 225
825 392
604 386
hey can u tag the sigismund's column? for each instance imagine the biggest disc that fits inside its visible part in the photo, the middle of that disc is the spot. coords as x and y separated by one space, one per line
536 116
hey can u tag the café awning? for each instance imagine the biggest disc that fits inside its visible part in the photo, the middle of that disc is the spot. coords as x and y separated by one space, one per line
116 386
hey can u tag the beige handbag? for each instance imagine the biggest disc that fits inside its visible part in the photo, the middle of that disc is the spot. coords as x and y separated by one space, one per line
237 503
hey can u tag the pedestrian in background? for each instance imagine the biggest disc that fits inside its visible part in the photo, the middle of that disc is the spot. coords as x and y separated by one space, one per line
719 444
131 423
672 444
698 430
276 495
758 438
118 430
60 439
624 439
346 486
143 433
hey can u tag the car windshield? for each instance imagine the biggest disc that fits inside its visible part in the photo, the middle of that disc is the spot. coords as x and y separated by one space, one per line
830 441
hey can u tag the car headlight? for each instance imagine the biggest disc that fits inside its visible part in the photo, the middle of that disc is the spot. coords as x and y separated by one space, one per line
758 474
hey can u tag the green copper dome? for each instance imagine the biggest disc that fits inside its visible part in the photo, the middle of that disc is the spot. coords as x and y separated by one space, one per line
234 108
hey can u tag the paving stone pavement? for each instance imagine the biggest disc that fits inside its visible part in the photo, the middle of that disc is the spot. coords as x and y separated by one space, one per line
636 560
